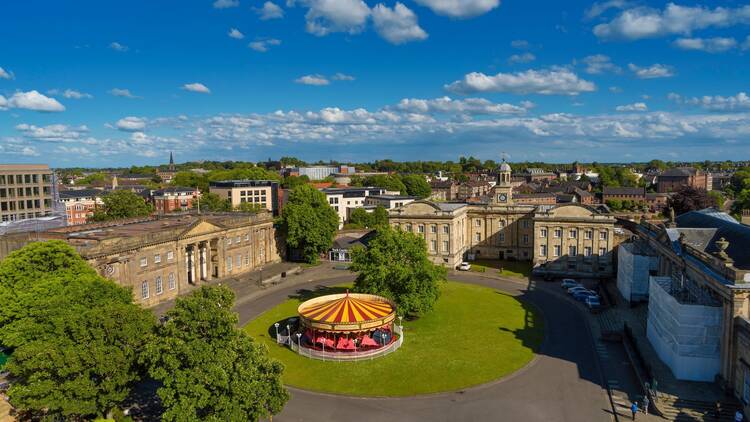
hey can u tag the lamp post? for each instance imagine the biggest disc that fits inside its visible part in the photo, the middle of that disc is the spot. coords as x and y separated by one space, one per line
299 344
277 331
289 335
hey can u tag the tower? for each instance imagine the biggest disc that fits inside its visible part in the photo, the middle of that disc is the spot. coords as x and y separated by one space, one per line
171 161
503 191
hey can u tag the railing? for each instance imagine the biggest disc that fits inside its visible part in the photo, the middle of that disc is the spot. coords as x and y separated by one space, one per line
344 356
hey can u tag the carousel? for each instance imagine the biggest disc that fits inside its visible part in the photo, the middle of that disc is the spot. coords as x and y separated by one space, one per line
347 326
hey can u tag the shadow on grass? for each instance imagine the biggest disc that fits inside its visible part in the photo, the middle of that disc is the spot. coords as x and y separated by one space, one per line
291 321
532 333
306 294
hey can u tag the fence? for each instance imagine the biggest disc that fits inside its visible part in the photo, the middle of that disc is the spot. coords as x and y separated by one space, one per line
346 356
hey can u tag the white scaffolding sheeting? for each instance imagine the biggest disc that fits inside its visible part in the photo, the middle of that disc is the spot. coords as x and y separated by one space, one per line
634 262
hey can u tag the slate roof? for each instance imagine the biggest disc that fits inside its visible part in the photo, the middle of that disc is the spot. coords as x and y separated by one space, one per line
80 193
724 226
679 172
623 191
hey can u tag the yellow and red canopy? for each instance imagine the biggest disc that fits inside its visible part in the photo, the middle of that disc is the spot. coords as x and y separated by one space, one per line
347 312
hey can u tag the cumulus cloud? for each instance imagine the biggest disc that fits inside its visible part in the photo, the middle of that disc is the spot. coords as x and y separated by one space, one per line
316 80
599 63
556 81
398 25
522 58
270 11
226 4
70 94
52 133
740 101
651 72
475 106
119 47
120 92
4 74
460 8
196 87
32 100
327 16
709 45
342 77
632 107
262 46
236 34
599 8
746 45
131 124
3 103
519 44
645 22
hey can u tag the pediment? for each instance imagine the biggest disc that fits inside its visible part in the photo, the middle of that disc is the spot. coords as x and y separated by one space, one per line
419 208
202 227
572 210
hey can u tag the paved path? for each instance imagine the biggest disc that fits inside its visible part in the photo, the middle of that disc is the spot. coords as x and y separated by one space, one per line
564 383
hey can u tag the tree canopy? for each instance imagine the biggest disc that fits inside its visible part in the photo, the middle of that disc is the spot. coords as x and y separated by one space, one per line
121 204
689 198
395 265
309 222
209 369
416 185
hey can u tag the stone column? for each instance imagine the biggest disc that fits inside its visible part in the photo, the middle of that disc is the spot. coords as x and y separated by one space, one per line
203 261
187 265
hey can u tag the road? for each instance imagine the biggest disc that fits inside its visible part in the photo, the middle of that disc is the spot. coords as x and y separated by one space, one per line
564 382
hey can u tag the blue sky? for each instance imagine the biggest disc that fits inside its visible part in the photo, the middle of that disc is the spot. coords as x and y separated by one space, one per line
94 83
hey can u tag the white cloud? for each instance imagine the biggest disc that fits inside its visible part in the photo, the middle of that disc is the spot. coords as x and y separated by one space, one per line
236 34
270 11
4 74
131 124
327 16
519 44
3 103
263 45
460 8
632 107
316 80
651 72
119 47
615 89
709 45
599 63
70 94
478 106
741 101
556 81
522 58
646 22
196 87
342 77
226 4
52 133
33 100
598 8
398 25
119 92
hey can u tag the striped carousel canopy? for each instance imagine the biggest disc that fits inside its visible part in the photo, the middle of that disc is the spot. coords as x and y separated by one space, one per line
347 312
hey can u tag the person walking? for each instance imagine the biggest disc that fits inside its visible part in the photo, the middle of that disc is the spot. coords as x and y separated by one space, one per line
634 409
738 416
645 404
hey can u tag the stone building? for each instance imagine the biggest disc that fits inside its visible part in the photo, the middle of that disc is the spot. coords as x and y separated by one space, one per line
569 239
25 191
673 179
161 258
80 204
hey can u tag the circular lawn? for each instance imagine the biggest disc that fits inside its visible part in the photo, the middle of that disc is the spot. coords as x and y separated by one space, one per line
473 335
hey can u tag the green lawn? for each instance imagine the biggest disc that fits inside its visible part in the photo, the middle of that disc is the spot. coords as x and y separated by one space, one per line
519 269
474 335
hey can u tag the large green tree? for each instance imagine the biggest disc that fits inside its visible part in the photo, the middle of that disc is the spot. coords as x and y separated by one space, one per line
309 222
76 336
209 369
416 185
688 198
395 265
122 204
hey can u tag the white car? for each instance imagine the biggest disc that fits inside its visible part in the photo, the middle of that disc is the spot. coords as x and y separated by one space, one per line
465 266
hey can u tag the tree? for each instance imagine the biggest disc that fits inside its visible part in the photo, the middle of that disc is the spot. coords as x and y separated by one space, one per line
190 179
76 336
389 182
379 217
416 185
309 222
291 182
614 204
208 369
395 265
213 202
688 198
360 218
122 204
249 207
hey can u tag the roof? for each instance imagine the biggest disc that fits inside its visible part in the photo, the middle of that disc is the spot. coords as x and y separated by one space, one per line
534 195
442 184
392 197
582 193
679 172
449 206
623 191
173 190
723 225
504 166
242 183
347 312
80 193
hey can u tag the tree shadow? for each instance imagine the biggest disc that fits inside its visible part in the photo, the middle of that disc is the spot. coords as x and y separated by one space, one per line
532 333
320 290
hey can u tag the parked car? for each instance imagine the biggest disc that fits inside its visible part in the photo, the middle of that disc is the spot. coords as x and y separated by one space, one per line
464 266
593 302
578 289
568 283
582 296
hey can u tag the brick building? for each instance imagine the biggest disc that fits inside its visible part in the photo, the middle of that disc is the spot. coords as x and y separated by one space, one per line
174 199
673 179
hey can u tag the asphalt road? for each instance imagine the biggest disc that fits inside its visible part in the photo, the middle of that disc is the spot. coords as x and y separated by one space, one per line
563 383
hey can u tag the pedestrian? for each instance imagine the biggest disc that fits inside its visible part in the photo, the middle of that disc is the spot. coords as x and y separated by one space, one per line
645 405
634 409
738 416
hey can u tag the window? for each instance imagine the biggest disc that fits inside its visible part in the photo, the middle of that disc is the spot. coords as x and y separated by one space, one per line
572 251
602 251
587 251
501 236
526 239
556 250
144 262
573 233
238 239
525 224
446 229
172 284
157 258
408 227
445 246
229 241
558 233
543 250
247 259
170 255
239 261
433 245
159 286
229 263
478 237
503 223
589 234
543 232
247 237
420 228
144 290
478 222
433 228
602 235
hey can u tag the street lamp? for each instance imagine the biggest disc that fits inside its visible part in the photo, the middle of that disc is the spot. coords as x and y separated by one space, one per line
277 331
289 335
299 345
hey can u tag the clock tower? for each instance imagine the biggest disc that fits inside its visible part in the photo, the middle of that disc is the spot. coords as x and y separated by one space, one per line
503 190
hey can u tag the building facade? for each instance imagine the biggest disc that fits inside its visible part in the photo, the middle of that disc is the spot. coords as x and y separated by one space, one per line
174 199
80 204
342 200
674 179
264 193
25 191
389 201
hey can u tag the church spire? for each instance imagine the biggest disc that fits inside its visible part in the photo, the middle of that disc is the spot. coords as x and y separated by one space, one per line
171 161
